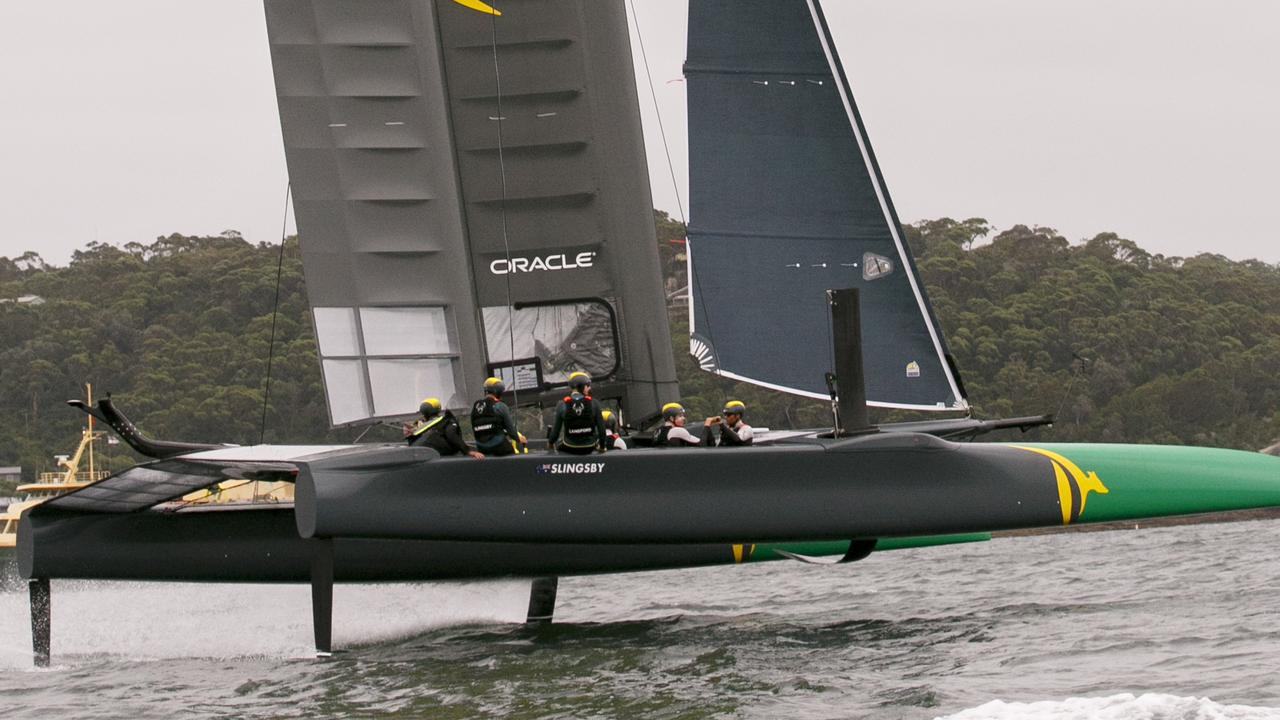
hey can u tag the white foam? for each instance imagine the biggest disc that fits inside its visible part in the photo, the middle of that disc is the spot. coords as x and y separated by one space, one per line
143 621
1149 706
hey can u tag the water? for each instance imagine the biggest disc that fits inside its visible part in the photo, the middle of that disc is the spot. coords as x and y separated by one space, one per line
1175 623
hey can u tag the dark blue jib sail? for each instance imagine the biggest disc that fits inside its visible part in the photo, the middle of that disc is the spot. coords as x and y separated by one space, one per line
786 202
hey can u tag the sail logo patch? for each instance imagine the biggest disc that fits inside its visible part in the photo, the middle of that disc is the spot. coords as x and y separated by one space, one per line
913 369
875 266
537 263
570 468
1074 484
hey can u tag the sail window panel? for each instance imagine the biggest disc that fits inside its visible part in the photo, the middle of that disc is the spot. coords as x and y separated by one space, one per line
344 383
368 22
406 331
371 71
564 337
389 174
336 332
400 384
298 70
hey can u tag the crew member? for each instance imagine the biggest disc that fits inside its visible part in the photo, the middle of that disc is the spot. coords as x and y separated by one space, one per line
492 423
732 431
612 431
439 431
672 432
578 419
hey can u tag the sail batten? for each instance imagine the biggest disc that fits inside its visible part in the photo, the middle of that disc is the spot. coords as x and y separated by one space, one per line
787 202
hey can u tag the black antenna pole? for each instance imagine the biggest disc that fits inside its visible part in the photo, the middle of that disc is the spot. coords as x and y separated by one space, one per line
846 333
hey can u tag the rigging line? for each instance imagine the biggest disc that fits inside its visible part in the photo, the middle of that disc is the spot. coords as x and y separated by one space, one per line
658 112
675 186
502 173
1067 393
275 312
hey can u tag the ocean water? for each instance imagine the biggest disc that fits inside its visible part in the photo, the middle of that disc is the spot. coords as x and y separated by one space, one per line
1161 624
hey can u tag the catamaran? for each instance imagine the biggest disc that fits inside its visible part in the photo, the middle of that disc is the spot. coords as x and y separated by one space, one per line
472 200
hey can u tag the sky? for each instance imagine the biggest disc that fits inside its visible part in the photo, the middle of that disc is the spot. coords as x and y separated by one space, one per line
1156 119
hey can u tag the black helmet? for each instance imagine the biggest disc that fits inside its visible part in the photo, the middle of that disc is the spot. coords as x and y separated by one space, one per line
579 380
429 408
494 386
734 407
672 410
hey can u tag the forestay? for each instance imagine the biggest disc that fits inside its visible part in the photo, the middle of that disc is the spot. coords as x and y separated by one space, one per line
787 201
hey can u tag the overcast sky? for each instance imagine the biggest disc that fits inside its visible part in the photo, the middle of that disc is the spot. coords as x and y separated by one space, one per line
1156 119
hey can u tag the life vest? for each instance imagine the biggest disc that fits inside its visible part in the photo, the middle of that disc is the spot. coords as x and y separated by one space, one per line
580 422
661 439
486 423
432 435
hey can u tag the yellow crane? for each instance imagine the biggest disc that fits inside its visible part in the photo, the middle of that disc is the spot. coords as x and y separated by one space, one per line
52 484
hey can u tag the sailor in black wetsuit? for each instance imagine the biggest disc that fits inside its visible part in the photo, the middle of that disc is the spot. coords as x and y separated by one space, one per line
439 431
728 430
579 420
492 424
672 432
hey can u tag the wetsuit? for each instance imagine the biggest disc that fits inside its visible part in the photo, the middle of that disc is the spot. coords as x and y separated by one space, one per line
494 428
738 436
580 420
442 434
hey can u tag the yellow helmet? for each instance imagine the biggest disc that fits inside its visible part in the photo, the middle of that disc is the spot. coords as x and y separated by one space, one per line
429 407
734 407
579 380
671 410
494 386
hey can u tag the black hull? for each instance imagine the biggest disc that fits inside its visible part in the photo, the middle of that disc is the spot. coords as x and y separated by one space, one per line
262 546
885 485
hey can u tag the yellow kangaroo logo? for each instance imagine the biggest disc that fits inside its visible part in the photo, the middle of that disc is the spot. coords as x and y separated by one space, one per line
1067 472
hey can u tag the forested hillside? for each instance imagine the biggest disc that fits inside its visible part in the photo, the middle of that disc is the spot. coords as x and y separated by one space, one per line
177 330
1125 346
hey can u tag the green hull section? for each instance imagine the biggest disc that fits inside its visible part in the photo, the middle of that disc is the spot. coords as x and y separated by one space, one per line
1106 482
1100 483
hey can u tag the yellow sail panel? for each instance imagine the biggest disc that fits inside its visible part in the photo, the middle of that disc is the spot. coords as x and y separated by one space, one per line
479 7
